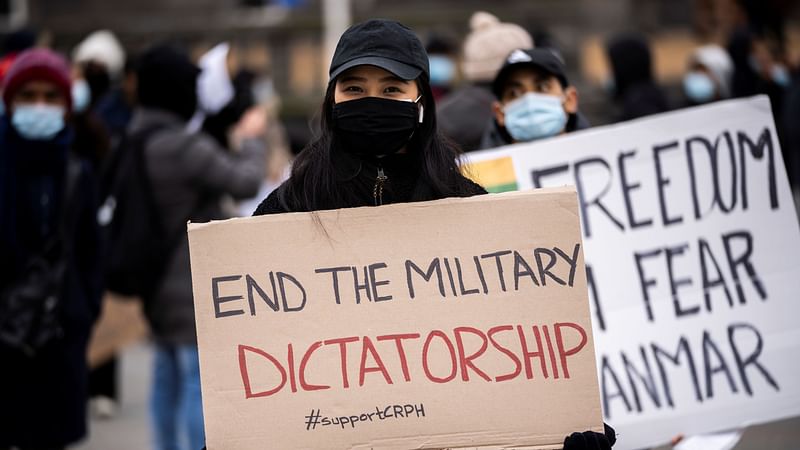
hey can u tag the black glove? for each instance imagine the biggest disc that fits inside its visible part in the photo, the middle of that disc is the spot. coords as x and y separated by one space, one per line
589 440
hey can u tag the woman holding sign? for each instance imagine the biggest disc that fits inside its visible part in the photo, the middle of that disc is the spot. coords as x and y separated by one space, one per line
379 142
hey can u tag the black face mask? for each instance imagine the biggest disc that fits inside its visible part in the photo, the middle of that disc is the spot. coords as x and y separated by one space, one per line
373 126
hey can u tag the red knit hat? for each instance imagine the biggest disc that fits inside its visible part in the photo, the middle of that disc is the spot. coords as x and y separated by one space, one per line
37 64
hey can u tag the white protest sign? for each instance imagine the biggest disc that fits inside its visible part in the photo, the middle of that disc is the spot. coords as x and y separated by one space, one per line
692 259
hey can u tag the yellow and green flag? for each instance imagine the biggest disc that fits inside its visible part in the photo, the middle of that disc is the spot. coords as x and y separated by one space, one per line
496 175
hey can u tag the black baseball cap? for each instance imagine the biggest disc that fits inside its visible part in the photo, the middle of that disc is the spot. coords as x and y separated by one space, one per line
383 43
541 58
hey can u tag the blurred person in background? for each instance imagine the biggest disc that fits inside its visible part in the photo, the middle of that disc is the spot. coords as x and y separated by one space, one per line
189 172
758 50
50 277
633 87
223 99
465 113
441 54
790 118
98 62
115 108
709 77
279 158
534 99
13 44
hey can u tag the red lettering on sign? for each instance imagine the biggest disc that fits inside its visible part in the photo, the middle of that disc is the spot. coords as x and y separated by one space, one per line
303 362
343 354
560 343
248 392
401 353
425 352
466 361
369 348
505 351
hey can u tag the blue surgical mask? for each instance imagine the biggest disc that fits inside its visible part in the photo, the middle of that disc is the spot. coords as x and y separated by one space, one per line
534 116
81 95
443 70
38 122
698 87
781 76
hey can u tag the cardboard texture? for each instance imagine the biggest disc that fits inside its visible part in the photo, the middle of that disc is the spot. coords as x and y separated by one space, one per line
692 246
121 323
453 323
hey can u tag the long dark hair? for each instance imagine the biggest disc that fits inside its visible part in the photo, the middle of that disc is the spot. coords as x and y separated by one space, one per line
315 185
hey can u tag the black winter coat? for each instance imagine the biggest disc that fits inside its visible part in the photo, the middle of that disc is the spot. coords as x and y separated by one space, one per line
360 177
43 398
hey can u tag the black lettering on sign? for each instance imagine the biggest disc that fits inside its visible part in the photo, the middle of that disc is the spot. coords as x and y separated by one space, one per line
751 359
598 310
645 377
743 259
757 151
375 283
627 188
334 271
662 182
675 283
282 277
675 359
252 285
644 282
218 300
595 163
434 268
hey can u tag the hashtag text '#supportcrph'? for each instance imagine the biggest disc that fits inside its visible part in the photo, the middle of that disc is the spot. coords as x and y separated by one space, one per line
389 412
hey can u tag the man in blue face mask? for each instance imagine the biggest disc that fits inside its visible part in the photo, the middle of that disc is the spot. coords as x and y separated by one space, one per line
709 76
50 247
534 99
37 95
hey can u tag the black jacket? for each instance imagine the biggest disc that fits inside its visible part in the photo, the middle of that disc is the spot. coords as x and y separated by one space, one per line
464 113
361 177
43 398
635 88
190 173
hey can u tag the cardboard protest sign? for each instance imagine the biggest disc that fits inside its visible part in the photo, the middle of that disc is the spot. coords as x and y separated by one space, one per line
121 323
458 322
692 251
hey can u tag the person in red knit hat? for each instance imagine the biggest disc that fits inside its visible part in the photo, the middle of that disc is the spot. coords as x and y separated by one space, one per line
37 94
50 277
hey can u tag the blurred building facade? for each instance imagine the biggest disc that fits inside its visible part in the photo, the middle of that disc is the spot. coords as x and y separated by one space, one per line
284 38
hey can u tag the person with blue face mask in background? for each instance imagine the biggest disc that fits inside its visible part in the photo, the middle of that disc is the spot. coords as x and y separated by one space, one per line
50 256
534 99
710 75
442 65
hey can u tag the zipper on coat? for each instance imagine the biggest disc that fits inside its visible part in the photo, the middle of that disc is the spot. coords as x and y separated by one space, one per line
377 190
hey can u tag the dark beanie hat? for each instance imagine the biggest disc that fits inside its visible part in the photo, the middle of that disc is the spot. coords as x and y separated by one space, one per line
167 79
38 64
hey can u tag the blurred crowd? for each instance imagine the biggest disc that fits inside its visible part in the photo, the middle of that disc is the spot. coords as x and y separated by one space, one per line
106 154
